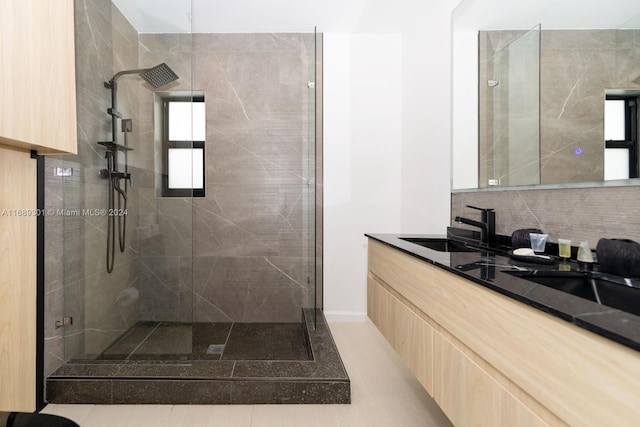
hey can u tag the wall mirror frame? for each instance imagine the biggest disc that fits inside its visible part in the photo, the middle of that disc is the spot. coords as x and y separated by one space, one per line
587 49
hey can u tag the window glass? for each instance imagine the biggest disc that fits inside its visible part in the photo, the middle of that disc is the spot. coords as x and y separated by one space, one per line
185 118
614 120
616 163
186 168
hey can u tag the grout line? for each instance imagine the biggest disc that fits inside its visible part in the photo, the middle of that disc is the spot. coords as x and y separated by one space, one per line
142 342
225 344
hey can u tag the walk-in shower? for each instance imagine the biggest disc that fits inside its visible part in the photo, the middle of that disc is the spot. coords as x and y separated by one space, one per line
217 298
157 76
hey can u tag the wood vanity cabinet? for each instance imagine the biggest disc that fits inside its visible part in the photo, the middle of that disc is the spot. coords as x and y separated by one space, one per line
490 360
38 84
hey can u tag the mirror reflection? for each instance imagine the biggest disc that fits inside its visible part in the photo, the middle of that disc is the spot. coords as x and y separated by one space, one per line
541 95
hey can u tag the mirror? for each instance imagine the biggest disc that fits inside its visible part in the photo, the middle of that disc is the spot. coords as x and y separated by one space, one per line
589 51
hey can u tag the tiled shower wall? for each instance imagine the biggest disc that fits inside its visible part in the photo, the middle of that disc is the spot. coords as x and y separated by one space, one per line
76 281
575 213
251 233
252 253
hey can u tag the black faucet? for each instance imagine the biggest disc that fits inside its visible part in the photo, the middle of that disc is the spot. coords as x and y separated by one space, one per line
487 224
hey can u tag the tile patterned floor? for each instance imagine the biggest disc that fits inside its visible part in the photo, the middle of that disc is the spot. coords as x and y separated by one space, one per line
383 391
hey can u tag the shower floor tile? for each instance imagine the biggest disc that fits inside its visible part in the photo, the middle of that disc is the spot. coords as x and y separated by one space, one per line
266 341
185 341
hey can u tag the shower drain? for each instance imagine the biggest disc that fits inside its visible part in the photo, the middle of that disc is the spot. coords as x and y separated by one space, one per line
215 349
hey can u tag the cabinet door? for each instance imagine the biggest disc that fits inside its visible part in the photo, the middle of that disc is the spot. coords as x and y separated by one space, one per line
470 396
409 335
37 88
17 280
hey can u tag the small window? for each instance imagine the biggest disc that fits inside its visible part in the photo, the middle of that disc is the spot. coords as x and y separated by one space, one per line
621 137
183 154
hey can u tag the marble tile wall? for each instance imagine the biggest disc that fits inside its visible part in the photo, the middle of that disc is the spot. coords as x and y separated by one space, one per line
252 231
76 282
166 225
576 67
242 253
575 213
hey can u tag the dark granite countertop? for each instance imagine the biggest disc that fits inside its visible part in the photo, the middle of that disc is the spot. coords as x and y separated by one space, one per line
490 269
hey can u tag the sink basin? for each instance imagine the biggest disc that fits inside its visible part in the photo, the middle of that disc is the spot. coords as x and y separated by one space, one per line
608 291
441 244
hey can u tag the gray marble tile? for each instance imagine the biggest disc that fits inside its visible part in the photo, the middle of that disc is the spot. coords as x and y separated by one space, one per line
266 341
578 214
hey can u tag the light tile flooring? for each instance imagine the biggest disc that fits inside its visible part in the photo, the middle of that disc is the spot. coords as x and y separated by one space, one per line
383 393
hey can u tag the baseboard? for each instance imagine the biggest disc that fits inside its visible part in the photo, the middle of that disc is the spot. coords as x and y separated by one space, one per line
345 316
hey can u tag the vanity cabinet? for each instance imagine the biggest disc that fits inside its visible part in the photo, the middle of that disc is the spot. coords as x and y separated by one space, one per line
491 360
38 85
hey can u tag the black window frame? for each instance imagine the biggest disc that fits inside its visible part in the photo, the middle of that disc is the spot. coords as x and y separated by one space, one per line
167 144
630 141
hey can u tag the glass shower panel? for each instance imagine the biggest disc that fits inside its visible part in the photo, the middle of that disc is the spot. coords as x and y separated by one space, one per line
510 124
127 250
311 179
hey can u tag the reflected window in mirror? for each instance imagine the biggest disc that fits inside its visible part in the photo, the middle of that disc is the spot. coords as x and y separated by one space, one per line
621 137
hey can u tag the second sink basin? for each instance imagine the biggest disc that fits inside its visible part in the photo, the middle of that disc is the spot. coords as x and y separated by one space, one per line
595 287
441 244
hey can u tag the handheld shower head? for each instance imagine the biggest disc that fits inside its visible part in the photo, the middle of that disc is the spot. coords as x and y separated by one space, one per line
159 75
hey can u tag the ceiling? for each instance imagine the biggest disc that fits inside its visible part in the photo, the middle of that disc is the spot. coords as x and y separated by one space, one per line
256 16
241 16
551 14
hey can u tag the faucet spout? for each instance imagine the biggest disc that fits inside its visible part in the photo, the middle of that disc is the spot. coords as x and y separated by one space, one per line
487 224
478 224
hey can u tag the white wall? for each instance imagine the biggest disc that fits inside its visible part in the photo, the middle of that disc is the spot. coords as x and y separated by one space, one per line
386 139
426 125
362 160
465 110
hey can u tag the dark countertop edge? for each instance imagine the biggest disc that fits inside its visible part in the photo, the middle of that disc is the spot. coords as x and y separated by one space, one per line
620 330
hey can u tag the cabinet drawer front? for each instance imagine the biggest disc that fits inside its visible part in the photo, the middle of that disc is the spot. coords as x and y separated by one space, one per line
409 335
470 396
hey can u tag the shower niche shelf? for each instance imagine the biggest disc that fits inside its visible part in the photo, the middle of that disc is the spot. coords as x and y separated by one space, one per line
113 146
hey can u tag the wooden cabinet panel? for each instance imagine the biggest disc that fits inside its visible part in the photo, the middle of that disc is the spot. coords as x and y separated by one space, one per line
37 65
17 280
470 396
409 335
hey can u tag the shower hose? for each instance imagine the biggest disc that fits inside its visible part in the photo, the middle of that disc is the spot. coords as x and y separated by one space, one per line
114 187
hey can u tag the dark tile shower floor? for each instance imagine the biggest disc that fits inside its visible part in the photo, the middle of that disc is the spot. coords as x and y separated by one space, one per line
173 363
211 341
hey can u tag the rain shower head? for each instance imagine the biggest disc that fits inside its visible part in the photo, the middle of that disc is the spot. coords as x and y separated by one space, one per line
157 76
